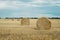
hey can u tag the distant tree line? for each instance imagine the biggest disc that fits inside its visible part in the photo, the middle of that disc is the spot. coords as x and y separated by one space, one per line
21 18
13 18
28 17
54 18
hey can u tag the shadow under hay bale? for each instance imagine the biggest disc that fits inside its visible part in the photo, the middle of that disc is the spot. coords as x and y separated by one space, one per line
25 21
43 23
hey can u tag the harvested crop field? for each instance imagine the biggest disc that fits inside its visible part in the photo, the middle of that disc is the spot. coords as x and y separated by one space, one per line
12 30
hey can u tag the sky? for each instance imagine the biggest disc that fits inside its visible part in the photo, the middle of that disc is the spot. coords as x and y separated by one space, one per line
29 8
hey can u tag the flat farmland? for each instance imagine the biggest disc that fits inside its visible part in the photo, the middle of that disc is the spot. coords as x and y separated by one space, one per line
13 30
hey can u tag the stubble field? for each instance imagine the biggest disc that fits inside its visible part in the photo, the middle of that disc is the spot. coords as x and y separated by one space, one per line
12 30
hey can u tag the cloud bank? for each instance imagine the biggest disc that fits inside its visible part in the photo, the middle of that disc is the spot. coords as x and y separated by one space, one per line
29 8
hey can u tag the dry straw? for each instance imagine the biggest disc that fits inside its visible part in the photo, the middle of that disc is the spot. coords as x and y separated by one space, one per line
25 21
43 23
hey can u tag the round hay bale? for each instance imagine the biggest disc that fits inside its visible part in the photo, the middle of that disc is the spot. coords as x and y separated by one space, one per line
25 21
43 23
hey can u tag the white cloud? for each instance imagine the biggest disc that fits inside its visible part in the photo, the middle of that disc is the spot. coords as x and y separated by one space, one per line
3 4
47 2
18 4
13 4
35 3
41 1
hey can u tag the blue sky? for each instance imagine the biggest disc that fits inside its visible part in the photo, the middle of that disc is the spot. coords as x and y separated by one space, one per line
29 8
